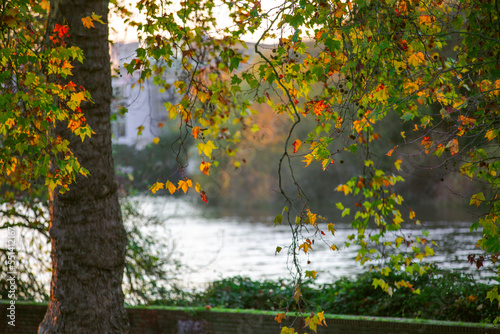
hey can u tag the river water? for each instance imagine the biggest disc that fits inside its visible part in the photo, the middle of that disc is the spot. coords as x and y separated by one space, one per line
215 246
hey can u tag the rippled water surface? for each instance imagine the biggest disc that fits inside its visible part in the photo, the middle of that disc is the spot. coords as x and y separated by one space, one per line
216 246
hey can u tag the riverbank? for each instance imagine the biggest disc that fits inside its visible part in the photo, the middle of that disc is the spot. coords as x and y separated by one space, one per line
438 295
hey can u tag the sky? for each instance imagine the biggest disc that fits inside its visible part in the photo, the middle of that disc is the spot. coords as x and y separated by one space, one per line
121 33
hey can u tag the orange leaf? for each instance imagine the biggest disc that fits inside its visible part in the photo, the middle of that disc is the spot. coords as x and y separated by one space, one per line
171 187
453 146
279 317
297 144
185 185
305 247
196 132
391 150
87 22
205 167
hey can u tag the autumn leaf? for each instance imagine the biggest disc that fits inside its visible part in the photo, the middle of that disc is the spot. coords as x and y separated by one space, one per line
185 185
305 247
206 149
391 151
156 140
203 196
279 317
171 187
87 22
286 330
61 30
196 131
412 214
297 294
398 164
205 167
297 144
308 159
139 130
477 199
311 274
345 188
331 228
155 187
453 146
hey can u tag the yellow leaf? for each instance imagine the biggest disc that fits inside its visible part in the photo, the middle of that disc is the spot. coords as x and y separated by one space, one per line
156 140
491 134
476 199
155 187
77 98
206 148
97 18
416 59
205 167
333 247
171 187
321 317
139 130
345 188
412 214
305 247
308 159
197 187
185 185
87 22
286 330
398 164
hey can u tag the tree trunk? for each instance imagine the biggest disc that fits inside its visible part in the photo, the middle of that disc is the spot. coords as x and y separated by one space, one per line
87 234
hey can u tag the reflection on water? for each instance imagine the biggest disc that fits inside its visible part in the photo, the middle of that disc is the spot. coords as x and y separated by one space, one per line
217 246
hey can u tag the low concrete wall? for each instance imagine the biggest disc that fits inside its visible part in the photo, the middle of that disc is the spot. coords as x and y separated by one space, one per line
170 320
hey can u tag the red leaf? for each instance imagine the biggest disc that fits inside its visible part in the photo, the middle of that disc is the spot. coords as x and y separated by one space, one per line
204 197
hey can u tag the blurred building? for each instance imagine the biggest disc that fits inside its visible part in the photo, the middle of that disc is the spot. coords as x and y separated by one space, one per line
145 102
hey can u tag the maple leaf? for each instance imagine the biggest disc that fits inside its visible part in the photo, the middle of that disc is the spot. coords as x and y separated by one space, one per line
279 317
155 187
311 273
331 228
305 247
345 188
286 330
308 159
427 143
171 187
185 185
398 164
453 146
196 131
61 30
203 196
491 134
477 199
206 148
205 167
87 22
297 144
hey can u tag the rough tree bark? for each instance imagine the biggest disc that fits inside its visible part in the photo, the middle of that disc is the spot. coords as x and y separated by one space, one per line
87 234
